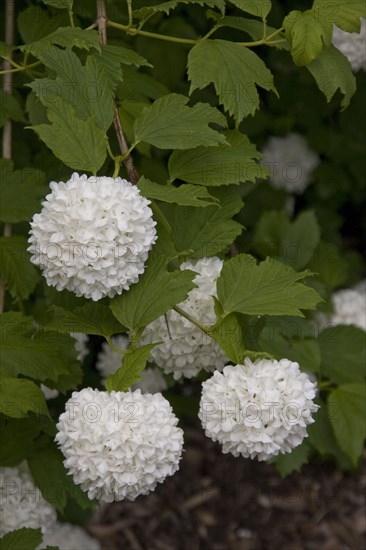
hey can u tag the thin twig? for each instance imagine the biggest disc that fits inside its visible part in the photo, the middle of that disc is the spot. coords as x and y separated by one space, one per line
7 131
128 161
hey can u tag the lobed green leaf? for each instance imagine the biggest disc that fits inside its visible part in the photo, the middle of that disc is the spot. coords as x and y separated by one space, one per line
133 363
169 124
235 72
185 195
268 288
233 162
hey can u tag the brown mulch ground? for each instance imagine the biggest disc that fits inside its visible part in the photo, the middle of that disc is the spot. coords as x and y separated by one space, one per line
218 502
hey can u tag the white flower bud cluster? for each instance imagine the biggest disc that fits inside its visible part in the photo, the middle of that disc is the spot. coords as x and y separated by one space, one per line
291 162
22 504
259 409
119 445
352 45
92 236
186 349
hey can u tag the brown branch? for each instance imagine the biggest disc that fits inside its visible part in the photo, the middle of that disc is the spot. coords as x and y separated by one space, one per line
128 161
7 131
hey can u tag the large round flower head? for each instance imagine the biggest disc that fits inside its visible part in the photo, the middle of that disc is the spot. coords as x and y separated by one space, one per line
352 45
109 361
81 341
69 537
259 409
119 445
22 504
349 308
186 349
290 162
92 236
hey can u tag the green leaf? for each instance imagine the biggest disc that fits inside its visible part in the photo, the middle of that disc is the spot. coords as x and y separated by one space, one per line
321 436
92 93
10 108
60 4
79 144
207 231
35 23
230 337
15 449
166 7
234 70
231 163
124 56
343 353
292 462
269 233
37 112
348 405
129 111
92 318
333 71
20 396
21 539
51 477
305 352
293 243
20 192
346 15
305 33
300 240
268 288
44 356
5 49
19 274
137 86
132 365
67 37
185 195
330 268
254 28
156 292
169 124
259 8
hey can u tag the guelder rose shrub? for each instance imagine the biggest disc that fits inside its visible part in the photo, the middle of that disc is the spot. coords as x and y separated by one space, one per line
181 204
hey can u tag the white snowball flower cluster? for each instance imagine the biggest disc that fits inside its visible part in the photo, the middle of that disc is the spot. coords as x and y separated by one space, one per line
186 349
92 236
349 308
352 45
119 445
259 409
290 161
22 504
69 537
109 361
81 341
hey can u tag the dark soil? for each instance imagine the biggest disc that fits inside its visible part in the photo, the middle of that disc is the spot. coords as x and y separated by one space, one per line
218 502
